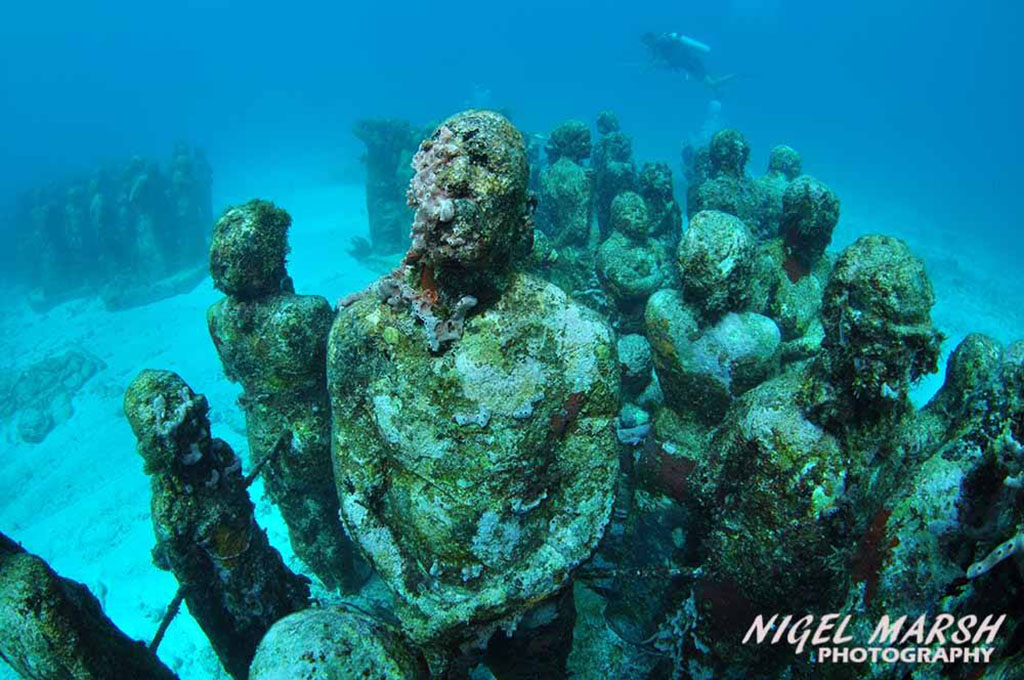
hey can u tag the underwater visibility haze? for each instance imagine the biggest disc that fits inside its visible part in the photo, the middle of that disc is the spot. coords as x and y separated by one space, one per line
512 340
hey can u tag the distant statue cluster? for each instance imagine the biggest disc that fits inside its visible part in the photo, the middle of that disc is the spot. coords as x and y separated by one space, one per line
117 231
572 438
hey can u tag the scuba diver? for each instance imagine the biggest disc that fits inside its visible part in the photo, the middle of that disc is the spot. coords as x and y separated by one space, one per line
680 53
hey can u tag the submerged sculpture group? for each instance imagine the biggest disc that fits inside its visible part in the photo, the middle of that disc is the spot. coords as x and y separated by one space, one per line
598 446
133 232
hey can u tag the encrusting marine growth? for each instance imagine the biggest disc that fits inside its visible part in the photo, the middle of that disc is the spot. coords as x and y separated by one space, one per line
234 583
53 627
595 448
274 343
476 469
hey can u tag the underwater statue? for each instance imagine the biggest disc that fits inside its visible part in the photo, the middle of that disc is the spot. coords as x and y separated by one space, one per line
784 166
654 184
53 627
569 140
611 268
132 232
390 145
472 404
614 169
565 204
800 460
546 485
564 243
232 580
630 263
793 268
718 181
274 343
949 540
709 343
791 217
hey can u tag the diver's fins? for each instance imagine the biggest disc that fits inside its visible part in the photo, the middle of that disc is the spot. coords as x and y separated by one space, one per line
715 81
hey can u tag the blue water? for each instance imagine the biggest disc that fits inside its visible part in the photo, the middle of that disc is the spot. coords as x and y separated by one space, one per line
915 99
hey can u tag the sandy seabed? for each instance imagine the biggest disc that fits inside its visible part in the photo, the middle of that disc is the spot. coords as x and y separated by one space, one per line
81 501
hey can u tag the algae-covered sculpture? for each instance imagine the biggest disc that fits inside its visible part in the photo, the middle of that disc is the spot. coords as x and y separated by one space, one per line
708 344
614 169
274 343
810 211
801 462
792 269
564 246
715 260
702 367
133 232
726 187
879 337
333 643
233 582
472 404
718 180
53 627
655 184
461 424
390 145
569 140
565 208
779 268
630 263
957 516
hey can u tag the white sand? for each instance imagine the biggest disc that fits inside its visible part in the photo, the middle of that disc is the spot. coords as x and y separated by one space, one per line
81 501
